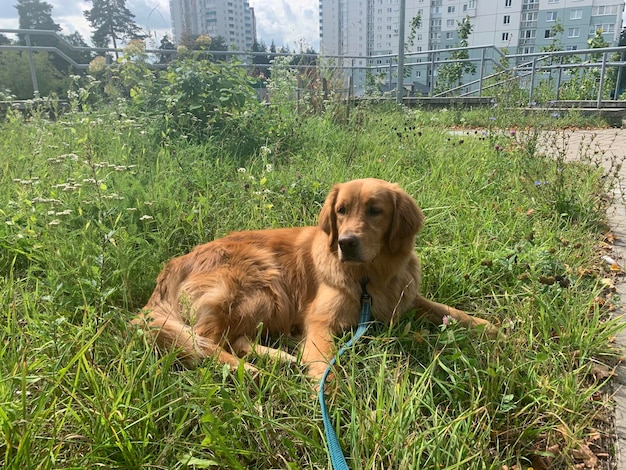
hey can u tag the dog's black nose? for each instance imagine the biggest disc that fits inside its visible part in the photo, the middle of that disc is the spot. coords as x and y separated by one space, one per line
348 242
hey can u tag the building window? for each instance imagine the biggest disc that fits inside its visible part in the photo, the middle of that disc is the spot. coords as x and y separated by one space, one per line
529 16
553 1
451 9
449 35
450 23
507 3
507 19
547 34
505 36
607 28
604 10
552 16
573 32
576 15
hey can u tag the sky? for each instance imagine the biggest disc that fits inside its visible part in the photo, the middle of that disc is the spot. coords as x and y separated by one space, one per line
286 22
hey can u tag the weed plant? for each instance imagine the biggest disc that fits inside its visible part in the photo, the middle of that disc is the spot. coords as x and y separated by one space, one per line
94 205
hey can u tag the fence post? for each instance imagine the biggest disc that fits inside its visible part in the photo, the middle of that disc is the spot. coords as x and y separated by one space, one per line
31 64
351 77
350 95
432 73
400 89
601 87
532 80
619 79
558 79
298 87
482 72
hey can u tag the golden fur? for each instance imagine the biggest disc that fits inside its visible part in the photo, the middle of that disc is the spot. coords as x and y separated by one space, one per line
296 281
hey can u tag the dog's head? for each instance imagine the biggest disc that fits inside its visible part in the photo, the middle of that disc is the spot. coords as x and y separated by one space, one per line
366 217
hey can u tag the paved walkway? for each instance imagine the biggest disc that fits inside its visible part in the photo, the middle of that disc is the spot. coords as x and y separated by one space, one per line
603 145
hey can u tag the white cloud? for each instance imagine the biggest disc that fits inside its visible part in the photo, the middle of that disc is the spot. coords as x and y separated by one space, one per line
287 23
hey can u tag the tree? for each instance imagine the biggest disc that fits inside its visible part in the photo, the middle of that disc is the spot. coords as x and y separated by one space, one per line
261 61
451 74
414 25
218 43
15 75
598 42
111 21
555 43
306 55
202 45
584 82
166 45
36 14
75 39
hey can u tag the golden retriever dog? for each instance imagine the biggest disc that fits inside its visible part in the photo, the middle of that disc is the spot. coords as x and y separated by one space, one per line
305 281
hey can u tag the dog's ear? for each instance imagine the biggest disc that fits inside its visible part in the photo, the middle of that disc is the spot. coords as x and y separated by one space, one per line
407 220
328 218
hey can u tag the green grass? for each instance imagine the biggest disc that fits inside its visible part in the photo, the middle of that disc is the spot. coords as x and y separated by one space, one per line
93 207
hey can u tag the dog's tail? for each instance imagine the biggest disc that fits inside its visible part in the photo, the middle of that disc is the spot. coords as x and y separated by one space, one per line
172 333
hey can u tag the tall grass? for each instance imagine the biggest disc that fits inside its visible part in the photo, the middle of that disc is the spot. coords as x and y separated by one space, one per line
93 207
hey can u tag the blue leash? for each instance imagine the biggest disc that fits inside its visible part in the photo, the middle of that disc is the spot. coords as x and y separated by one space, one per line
334 448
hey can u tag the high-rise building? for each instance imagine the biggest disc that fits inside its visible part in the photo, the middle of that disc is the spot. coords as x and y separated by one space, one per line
369 28
231 19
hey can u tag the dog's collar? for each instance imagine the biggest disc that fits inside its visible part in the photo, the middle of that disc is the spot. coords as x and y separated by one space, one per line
365 297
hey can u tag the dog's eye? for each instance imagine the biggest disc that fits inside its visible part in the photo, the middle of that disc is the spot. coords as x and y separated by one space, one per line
341 210
374 211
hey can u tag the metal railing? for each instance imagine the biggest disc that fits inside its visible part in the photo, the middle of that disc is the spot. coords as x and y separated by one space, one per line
491 65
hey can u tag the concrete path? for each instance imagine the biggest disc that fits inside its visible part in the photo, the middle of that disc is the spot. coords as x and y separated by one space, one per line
602 145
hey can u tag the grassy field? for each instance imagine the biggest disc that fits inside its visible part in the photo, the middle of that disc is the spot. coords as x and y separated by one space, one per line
93 205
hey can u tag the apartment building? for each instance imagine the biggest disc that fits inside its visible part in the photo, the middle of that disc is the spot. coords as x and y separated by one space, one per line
367 30
231 19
